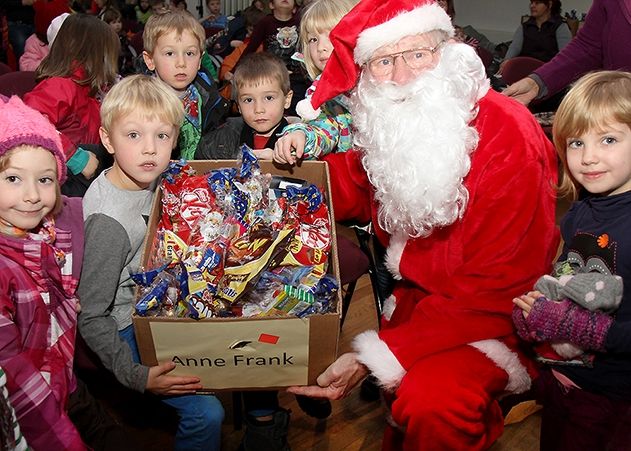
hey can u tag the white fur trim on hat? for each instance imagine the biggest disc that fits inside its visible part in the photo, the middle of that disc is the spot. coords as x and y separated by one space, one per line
306 111
394 253
518 378
419 20
375 354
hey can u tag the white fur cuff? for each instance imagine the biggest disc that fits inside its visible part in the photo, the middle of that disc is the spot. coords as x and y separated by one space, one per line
518 378
375 354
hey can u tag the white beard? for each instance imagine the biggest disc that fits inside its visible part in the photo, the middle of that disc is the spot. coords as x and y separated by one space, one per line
416 141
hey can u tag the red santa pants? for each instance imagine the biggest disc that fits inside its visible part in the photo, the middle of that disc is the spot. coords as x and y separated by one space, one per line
448 401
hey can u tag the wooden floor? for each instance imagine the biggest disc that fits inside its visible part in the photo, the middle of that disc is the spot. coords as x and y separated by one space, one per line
358 425
353 425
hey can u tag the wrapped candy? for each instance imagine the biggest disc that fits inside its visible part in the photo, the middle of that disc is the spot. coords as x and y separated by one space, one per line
237 279
311 243
230 245
153 295
145 278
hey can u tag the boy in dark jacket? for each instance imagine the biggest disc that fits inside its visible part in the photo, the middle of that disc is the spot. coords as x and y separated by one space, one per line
262 90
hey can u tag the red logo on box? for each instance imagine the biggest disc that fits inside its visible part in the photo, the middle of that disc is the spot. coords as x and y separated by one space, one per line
267 338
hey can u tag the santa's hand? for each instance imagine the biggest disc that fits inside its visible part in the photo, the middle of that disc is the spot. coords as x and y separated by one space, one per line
290 147
524 90
337 380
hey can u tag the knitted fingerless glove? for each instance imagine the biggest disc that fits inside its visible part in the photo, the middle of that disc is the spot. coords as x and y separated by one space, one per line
520 324
567 321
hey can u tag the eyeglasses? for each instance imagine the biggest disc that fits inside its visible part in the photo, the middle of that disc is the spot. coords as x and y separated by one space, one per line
415 59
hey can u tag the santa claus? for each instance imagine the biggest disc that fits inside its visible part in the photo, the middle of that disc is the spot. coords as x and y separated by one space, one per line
458 182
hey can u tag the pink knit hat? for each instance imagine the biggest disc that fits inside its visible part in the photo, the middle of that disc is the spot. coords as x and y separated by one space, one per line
22 125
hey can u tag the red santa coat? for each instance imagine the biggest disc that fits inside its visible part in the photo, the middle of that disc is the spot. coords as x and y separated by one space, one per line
456 286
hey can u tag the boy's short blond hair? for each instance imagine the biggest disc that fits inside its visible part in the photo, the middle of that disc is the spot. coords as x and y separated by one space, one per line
148 96
256 68
176 20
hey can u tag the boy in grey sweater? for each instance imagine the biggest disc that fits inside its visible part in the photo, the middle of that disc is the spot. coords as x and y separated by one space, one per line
140 120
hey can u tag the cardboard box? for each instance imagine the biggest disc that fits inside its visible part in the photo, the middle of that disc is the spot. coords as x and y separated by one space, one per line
241 353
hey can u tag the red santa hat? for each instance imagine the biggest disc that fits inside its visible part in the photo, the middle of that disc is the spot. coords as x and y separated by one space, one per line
369 25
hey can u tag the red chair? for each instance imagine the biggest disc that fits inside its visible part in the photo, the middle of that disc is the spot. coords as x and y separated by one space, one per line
485 56
354 263
136 42
17 83
519 67
5 68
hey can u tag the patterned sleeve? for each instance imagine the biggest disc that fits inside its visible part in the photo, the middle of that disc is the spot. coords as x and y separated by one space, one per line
324 135
42 416
11 437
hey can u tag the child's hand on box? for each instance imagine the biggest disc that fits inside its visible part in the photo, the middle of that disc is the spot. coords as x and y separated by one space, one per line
289 148
263 154
160 383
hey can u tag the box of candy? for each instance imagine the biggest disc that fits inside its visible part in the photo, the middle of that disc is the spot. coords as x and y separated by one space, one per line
240 280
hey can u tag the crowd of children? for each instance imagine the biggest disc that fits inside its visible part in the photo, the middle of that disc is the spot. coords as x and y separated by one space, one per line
97 126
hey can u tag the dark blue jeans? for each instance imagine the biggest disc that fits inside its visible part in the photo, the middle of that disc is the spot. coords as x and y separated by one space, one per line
18 34
200 415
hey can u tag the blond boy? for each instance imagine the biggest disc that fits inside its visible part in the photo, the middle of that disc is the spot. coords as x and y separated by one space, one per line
173 47
140 120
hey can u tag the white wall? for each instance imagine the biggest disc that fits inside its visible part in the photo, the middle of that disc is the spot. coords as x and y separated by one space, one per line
192 7
498 19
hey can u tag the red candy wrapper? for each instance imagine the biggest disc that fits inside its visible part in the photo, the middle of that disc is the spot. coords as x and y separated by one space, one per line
184 202
311 243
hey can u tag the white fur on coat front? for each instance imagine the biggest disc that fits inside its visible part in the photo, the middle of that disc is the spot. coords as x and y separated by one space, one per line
394 253
388 307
